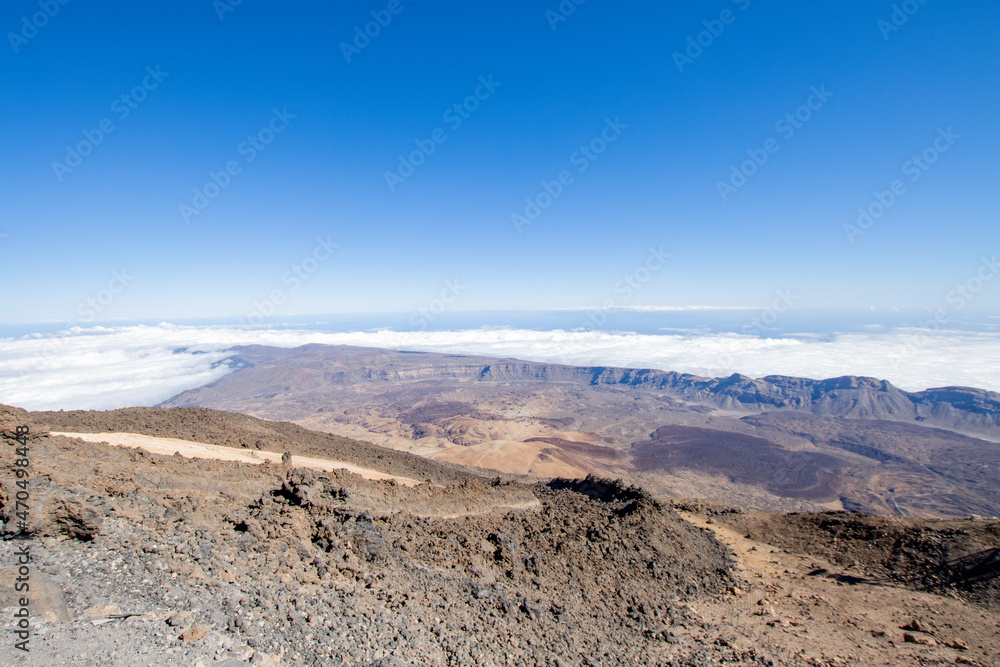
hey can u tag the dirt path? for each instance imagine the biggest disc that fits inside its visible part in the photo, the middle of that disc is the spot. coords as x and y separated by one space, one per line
199 450
804 610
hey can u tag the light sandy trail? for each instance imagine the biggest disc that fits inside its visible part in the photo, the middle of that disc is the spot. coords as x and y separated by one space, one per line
200 450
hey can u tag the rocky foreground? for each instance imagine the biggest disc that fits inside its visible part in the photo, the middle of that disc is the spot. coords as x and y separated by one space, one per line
141 559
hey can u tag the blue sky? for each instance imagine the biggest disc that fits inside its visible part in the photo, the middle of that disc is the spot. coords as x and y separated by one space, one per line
343 121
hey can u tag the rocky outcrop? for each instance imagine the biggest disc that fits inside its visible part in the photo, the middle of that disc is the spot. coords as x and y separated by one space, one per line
849 396
55 510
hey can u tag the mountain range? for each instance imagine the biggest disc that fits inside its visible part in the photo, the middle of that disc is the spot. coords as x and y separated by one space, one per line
774 443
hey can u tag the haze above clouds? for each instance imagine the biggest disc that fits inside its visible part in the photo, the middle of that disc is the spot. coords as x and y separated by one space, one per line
112 367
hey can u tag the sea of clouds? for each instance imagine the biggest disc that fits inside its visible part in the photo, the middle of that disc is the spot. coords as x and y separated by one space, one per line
112 367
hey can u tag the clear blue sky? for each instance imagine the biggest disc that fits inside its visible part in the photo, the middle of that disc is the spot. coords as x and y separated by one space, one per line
656 184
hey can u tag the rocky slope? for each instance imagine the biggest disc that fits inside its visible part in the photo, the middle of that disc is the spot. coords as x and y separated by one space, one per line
236 430
946 557
336 569
148 559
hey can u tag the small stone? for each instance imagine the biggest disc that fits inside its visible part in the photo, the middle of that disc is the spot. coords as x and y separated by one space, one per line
180 619
102 610
194 633
263 660
388 661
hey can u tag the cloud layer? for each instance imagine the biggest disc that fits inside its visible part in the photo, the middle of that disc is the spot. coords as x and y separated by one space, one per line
104 368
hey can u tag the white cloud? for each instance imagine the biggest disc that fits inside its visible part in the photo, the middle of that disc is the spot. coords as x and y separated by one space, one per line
658 309
109 367
665 309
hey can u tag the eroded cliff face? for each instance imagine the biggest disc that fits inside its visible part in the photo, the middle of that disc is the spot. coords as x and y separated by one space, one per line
964 409
853 397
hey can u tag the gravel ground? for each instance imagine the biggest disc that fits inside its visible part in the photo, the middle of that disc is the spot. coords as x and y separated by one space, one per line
142 559
169 560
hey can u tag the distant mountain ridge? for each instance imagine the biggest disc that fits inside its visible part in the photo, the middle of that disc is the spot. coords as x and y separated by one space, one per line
777 442
849 396
852 397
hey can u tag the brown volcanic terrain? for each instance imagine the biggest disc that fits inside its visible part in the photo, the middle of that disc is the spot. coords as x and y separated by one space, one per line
742 458
199 425
774 443
149 559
